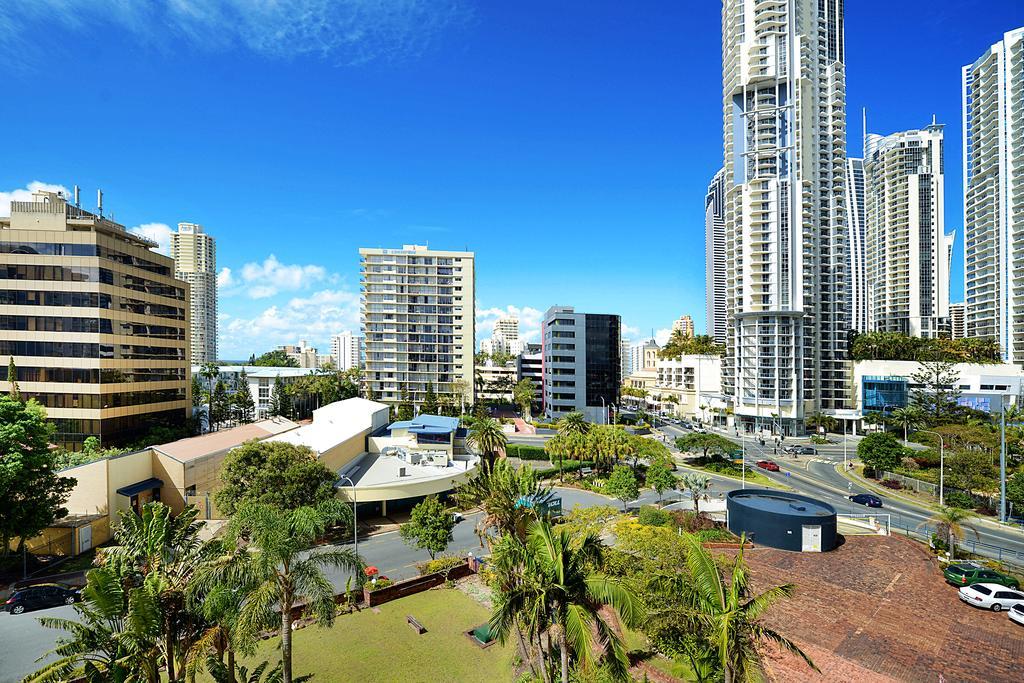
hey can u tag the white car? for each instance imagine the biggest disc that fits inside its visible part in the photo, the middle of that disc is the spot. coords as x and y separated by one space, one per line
1016 613
991 596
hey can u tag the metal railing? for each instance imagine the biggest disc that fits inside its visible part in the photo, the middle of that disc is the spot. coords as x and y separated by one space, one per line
968 544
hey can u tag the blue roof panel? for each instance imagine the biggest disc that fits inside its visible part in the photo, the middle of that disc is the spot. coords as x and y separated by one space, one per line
428 424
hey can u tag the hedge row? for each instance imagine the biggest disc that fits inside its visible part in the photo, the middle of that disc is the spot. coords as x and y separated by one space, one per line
524 452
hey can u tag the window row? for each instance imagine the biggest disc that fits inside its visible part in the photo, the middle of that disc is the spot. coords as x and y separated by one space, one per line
99 401
60 249
100 375
85 350
88 325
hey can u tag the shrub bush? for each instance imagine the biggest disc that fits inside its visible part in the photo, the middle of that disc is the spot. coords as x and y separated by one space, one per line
928 458
909 464
524 452
381 583
716 535
440 564
652 516
870 473
690 521
959 499
892 484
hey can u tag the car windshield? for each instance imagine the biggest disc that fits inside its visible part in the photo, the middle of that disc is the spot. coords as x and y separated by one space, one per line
1018 608
982 589
956 570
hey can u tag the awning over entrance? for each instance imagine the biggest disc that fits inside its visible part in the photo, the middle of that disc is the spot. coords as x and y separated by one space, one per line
139 487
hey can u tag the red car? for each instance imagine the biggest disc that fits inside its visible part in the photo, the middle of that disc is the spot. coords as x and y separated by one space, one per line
767 465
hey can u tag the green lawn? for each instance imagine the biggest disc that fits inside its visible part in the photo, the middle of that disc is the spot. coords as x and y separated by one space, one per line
364 646
752 475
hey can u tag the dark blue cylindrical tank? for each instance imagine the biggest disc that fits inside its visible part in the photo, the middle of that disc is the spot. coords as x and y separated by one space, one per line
784 520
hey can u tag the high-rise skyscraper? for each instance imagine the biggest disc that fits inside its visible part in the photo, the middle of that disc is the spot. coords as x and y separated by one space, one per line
956 321
683 325
858 292
582 367
347 351
906 250
993 120
714 257
419 322
195 261
504 338
787 297
95 321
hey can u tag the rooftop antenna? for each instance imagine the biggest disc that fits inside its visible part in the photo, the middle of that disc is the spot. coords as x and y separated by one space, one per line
99 201
76 196
864 138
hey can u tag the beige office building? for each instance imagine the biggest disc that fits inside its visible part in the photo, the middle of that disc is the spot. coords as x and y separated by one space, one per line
419 322
95 320
195 261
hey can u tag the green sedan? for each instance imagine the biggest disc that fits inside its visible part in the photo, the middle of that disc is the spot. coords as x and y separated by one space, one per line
966 574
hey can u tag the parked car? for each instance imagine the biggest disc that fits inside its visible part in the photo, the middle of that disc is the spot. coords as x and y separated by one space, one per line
767 465
700 430
1016 613
867 499
968 573
806 450
41 596
991 596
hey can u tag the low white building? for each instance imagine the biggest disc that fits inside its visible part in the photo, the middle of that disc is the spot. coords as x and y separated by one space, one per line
303 354
495 382
884 385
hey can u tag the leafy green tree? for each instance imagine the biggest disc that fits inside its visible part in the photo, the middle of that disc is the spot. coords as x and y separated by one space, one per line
487 438
819 420
242 404
405 407
908 417
733 613
12 380
429 527
522 394
197 391
280 399
971 470
210 372
430 404
275 359
706 444
278 560
1015 490
622 485
220 403
938 388
275 473
660 478
32 496
562 594
880 451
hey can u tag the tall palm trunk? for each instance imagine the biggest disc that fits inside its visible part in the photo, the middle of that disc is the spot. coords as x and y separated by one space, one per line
286 642
231 664
564 647
169 645
524 654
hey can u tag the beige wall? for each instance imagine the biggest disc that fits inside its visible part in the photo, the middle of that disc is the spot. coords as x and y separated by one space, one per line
172 473
89 497
342 454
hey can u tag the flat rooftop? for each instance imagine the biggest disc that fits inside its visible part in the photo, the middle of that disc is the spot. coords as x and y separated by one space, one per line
428 424
334 424
196 447
781 502
375 469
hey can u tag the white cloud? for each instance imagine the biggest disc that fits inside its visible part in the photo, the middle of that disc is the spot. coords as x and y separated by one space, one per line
529 321
24 194
158 232
225 279
340 31
314 318
629 332
263 280
662 335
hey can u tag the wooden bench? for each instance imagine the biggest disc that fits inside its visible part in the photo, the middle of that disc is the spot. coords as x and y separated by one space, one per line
417 626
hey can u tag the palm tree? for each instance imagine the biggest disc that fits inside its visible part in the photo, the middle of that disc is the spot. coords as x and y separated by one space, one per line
487 438
275 559
166 550
821 420
573 423
731 614
908 417
209 372
502 492
115 636
697 484
219 604
951 522
562 593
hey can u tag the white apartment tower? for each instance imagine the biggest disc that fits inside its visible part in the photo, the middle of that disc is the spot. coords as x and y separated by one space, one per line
993 121
347 351
418 320
858 292
787 301
504 337
956 321
906 249
195 261
714 257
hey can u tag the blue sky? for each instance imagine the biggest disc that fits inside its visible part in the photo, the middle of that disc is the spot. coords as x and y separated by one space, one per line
567 143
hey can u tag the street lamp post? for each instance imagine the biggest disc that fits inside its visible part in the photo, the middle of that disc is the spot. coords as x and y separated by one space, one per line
845 466
942 471
355 518
1002 462
743 461
604 411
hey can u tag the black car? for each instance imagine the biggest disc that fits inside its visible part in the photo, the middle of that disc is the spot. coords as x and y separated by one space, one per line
41 596
867 499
